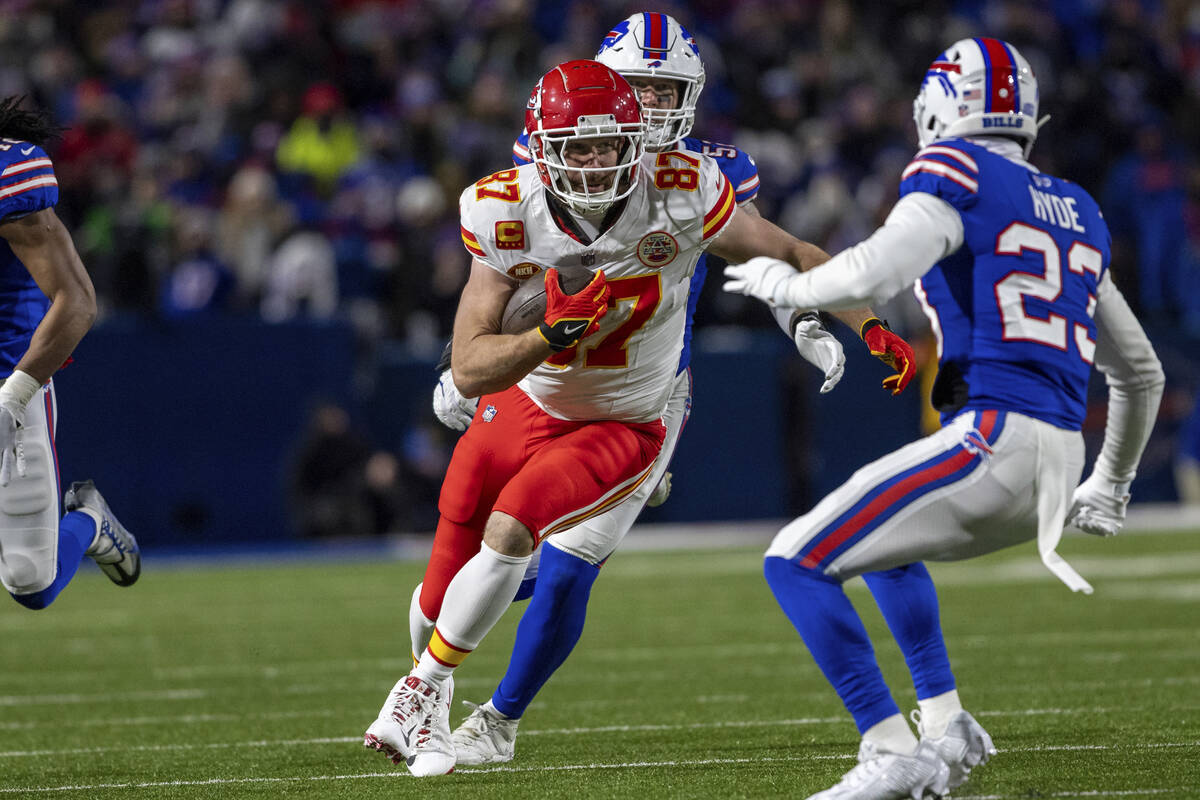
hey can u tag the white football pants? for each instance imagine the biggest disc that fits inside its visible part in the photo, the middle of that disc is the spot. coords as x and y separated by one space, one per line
29 506
969 489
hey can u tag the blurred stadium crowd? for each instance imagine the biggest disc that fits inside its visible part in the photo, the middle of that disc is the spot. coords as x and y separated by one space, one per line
283 158
291 158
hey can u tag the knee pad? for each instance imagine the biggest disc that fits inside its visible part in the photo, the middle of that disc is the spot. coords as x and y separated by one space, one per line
27 570
37 491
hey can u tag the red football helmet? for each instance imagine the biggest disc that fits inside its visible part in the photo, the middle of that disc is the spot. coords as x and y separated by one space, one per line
582 100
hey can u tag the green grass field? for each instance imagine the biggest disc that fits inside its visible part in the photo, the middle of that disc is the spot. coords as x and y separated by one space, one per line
257 682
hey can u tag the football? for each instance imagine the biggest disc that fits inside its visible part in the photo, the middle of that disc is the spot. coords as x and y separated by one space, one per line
527 307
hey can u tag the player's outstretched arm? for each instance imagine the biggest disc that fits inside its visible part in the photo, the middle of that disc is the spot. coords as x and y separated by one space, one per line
1135 386
774 256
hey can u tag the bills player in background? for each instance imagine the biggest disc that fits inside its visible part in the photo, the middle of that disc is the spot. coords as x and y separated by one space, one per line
660 60
47 304
570 418
1012 267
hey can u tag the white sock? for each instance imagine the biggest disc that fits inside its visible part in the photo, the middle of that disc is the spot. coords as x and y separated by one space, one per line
936 712
420 627
893 734
475 600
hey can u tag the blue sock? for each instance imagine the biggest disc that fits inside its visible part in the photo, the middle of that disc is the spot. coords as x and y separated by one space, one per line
549 629
908 600
819 609
75 533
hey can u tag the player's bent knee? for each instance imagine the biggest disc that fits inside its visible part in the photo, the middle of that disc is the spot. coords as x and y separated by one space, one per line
507 535
26 576
779 570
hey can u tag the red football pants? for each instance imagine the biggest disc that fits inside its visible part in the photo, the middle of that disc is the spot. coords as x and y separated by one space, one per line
549 474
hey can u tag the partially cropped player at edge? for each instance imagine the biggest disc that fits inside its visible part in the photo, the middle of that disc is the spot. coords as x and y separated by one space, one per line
660 60
47 304
1012 268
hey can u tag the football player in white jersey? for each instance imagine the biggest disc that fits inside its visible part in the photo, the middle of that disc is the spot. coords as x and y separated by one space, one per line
49 304
662 63
570 418
1011 266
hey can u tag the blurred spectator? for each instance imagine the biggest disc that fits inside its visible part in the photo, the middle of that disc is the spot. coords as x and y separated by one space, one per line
1144 203
198 283
97 150
339 486
301 279
250 224
323 141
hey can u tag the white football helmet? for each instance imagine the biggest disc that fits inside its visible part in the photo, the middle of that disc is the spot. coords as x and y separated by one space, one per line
656 46
978 87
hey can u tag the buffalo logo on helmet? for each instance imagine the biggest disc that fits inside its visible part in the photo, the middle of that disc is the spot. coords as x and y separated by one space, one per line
616 34
526 269
657 249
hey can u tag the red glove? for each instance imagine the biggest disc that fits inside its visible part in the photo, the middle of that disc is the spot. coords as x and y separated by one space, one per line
570 317
891 350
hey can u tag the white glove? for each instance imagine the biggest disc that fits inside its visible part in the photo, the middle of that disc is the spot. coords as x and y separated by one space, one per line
1098 506
763 277
11 449
18 389
452 409
820 348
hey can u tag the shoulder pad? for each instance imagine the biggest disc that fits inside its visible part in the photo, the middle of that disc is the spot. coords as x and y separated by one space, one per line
945 170
27 182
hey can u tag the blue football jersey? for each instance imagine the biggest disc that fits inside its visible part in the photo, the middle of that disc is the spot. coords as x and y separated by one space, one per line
742 173
27 184
1013 307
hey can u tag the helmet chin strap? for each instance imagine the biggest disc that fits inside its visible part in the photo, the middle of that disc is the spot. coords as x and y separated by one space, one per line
1043 121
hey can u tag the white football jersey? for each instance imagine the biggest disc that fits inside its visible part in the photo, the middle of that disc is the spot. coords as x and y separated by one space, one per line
625 370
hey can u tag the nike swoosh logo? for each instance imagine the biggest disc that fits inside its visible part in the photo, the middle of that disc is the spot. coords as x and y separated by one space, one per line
26 151
571 330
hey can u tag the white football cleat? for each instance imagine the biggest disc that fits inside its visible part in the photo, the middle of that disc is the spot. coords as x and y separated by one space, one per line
964 746
114 549
413 727
485 737
882 775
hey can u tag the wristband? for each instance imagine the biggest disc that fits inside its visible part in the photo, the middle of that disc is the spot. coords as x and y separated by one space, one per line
799 316
18 389
873 322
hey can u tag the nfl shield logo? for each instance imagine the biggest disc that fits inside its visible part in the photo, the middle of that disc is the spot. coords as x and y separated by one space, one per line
489 413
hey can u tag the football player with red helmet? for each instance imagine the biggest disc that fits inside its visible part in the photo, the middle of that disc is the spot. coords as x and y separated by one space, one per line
661 61
569 424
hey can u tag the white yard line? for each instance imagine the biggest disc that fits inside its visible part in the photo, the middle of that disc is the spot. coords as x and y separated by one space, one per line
393 775
834 720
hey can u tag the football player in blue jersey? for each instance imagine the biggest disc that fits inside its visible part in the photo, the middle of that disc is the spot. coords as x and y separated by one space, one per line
1012 268
660 60
47 304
